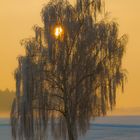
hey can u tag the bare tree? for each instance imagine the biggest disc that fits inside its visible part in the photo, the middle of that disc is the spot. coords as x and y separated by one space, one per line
70 73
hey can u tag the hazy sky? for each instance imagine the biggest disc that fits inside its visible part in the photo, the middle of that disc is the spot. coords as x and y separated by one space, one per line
18 16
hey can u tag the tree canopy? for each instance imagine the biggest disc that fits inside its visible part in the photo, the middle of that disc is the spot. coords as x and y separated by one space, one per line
62 82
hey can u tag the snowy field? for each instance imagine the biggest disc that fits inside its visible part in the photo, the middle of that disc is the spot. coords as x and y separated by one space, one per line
107 128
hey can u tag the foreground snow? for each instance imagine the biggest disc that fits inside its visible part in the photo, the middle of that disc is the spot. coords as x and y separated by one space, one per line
108 128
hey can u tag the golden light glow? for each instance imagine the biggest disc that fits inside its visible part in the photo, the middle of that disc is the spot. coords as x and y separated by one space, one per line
14 29
58 32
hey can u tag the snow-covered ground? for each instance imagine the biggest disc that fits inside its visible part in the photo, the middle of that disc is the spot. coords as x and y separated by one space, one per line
104 128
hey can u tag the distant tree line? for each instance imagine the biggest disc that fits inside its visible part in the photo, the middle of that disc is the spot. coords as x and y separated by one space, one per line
6 99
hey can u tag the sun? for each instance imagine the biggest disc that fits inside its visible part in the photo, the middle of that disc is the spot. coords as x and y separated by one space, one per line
58 31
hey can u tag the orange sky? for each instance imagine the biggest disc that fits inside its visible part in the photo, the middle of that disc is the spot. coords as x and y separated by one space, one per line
18 16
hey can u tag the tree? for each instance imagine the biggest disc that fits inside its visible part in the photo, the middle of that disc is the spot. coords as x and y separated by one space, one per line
70 73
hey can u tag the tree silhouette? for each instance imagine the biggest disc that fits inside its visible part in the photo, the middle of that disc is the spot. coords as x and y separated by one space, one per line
70 73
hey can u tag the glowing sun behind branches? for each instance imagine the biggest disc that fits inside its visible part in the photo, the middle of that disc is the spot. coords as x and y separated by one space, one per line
58 32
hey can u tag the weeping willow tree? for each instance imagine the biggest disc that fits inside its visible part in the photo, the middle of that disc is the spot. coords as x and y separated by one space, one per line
70 73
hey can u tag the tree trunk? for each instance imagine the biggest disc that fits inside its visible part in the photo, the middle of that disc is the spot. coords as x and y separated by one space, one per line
70 129
70 133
